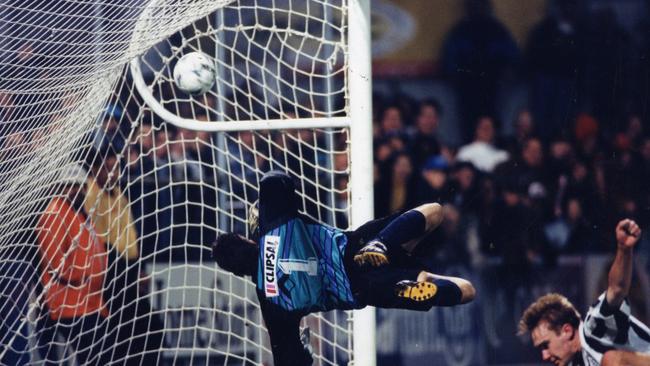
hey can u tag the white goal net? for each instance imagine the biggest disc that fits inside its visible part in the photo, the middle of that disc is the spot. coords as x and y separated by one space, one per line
114 183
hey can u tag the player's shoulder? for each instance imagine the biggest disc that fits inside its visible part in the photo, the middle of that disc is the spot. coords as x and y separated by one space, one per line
602 309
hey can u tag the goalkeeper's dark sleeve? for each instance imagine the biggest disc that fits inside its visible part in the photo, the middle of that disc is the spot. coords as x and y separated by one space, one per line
284 331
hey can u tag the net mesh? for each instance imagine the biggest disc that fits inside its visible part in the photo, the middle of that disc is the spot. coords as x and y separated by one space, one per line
108 211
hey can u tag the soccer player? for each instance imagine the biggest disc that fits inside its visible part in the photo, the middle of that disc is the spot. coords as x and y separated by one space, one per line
609 335
301 266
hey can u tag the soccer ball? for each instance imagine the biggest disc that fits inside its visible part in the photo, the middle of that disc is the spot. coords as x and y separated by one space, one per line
194 73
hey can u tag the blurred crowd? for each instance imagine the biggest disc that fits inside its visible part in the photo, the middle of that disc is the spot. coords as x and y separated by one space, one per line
576 158
551 181
519 197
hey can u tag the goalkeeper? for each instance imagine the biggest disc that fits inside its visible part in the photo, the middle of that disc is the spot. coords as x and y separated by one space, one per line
301 266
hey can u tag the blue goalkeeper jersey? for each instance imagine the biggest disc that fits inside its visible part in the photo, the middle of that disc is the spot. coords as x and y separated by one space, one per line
301 267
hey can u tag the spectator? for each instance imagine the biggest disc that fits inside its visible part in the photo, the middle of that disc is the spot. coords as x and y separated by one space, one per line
73 267
408 107
109 209
16 287
6 106
197 154
634 130
505 229
532 157
391 121
341 177
465 188
188 173
434 185
14 149
481 152
139 156
244 163
582 185
476 55
587 136
622 180
149 190
378 103
341 201
162 155
109 132
184 156
561 156
424 141
206 156
582 236
512 231
527 170
396 188
524 128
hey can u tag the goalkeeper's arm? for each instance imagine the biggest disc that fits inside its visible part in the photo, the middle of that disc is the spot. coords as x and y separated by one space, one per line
284 332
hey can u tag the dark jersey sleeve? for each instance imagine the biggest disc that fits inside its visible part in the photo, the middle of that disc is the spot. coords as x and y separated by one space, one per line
284 332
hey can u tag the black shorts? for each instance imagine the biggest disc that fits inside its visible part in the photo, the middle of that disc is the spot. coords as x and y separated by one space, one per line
377 286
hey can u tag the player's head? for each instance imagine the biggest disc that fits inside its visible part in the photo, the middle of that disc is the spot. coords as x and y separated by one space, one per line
236 254
553 323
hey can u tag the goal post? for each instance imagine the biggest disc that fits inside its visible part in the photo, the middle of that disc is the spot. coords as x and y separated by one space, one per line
89 102
361 172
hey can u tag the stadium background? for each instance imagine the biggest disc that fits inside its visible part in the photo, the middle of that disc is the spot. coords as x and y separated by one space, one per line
567 91
566 86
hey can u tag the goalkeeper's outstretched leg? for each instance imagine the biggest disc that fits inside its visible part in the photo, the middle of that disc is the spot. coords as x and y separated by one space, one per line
398 233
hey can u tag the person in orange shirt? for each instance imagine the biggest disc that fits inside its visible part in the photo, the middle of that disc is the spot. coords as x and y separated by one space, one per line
73 264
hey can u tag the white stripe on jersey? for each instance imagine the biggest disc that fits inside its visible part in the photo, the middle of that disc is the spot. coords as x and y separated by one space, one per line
619 330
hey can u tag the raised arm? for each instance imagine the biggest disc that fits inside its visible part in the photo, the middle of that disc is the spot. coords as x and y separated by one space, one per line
620 274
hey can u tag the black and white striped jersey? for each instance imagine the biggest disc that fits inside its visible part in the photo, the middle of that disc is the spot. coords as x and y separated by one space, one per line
606 328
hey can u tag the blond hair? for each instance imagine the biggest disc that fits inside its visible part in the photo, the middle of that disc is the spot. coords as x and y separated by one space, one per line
554 309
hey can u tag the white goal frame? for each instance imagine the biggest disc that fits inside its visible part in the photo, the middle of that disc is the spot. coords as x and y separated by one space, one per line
361 172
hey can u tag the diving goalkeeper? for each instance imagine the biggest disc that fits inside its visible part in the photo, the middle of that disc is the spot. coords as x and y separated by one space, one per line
301 266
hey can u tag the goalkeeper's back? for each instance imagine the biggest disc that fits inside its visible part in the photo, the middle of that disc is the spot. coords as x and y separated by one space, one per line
301 262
